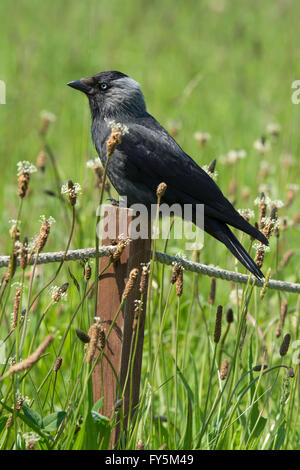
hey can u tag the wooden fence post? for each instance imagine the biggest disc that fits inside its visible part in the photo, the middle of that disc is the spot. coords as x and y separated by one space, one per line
117 348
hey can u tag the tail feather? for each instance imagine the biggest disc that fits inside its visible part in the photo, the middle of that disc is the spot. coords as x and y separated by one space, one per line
233 218
222 233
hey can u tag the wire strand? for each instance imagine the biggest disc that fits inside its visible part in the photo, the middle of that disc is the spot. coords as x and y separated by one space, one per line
164 258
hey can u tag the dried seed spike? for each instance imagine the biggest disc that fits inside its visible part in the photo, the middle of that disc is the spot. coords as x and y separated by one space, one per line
212 294
30 445
179 283
14 233
84 337
23 182
274 213
265 286
286 258
41 161
24 253
144 280
232 187
283 311
59 293
259 367
47 118
176 270
43 236
296 219
202 138
229 316
57 364
218 325
224 369
262 210
33 358
259 257
269 227
16 308
212 166
140 445
91 289
113 141
12 265
94 334
161 189
120 248
278 329
9 421
135 318
285 345
102 339
130 283
88 272
71 193
19 403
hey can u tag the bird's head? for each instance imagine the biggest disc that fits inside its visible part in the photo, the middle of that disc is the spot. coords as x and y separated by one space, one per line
111 94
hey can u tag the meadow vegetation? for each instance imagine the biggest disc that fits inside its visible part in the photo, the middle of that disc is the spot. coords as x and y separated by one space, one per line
221 361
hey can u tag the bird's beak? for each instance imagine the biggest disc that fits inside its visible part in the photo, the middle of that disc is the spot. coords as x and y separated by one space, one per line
84 84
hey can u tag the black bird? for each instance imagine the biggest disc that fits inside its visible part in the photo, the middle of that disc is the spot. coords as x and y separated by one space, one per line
148 155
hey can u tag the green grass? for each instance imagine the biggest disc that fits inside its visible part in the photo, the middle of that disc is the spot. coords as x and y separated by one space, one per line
243 60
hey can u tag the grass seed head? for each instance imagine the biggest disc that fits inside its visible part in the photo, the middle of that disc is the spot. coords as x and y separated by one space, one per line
286 258
179 283
218 324
283 311
176 270
94 333
23 183
11 269
212 293
113 141
262 210
140 445
229 316
57 364
202 138
47 118
144 279
285 345
161 189
41 161
16 308
131 282
59 293
43 236
24 253
259 367
30 445
88 272
224 369
84 337
33 358
122 243
278 329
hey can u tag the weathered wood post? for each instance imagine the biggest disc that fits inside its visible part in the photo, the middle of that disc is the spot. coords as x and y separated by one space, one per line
117 348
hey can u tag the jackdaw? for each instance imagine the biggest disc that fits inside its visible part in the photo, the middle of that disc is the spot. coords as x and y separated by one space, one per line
148 155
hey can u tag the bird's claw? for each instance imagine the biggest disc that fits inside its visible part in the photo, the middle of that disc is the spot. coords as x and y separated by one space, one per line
114 202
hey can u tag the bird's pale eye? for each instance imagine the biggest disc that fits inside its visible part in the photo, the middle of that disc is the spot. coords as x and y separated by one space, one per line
103 86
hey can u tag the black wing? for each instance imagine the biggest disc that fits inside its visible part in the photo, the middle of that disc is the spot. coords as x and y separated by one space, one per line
153 156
